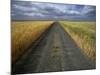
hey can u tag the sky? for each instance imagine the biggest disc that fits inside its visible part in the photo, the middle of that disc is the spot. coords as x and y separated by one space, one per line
29 10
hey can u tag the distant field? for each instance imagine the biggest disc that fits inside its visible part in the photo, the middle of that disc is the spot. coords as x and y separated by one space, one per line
24 33
84 34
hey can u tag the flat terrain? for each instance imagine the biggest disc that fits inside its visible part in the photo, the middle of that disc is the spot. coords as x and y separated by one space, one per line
57 51
24 33
84 34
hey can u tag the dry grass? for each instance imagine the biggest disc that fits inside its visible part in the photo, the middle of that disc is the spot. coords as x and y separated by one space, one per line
24 33
84 34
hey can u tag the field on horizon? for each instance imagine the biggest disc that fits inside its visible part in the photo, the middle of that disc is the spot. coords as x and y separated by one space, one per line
24 33
84 34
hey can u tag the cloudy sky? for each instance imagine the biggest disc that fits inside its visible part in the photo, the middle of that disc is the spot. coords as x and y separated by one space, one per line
28 10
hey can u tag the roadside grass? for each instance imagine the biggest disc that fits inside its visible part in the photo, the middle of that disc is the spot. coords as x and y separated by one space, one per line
24 33
84 34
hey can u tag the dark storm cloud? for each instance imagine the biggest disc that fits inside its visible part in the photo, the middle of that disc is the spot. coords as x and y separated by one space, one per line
37 10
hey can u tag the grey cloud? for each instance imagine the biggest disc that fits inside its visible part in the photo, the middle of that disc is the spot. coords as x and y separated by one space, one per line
38 10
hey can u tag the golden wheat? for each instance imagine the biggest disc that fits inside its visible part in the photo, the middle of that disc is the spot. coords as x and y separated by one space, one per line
24 33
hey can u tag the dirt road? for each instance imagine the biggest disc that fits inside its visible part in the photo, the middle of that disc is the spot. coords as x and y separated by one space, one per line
57 51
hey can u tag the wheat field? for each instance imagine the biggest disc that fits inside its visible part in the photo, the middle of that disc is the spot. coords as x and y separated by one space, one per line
84 34
24 33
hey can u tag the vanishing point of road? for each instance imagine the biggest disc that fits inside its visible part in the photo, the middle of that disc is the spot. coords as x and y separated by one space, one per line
57 51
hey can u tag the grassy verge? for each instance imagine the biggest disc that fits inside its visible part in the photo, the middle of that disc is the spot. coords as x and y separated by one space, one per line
84 34
24 33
